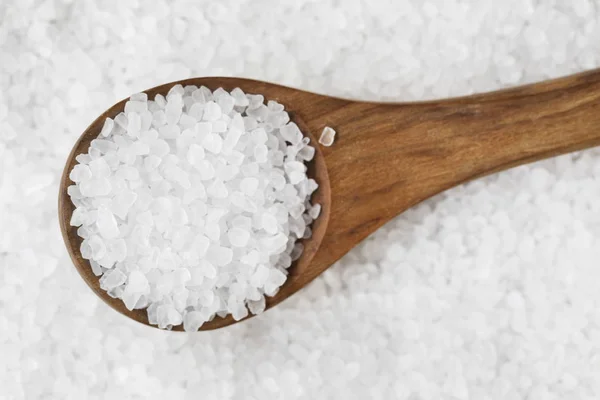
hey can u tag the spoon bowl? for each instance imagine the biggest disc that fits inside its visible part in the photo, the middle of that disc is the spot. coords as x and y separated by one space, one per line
317 170
387 157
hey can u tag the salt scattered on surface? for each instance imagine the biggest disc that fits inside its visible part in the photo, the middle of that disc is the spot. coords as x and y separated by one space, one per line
446 266
193 198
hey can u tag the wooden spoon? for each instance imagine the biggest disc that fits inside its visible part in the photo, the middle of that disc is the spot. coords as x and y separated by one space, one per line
388 157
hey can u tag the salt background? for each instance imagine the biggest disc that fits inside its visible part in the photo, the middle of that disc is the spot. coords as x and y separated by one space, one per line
488 291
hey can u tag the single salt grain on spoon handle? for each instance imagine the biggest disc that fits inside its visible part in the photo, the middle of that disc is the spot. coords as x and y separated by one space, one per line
389 157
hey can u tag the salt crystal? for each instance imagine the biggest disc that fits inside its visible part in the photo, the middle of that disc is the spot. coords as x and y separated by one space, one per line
112 279
121 120
80 173
269 223
107 128
106 223
327 136
105 146
95 187
217 189
249 186
238 237
240 98
99 168
192 321
261 153
137 282
226 103
195 154
306 153
219 255
212 111
315 211
122 202
213 143
134 124
291 133
141 97
151 162
219 126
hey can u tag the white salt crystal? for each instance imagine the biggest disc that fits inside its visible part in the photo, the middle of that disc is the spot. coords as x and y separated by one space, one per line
219 126
239 313
74 192
192 321
80 173
200 245
139 148
306 153
104 146
327 136
173 110
187 121
291 133
135 106
231 140
95 187
212 111
159 148
83 159
151 162
134 124
219 255
315 211
121 120
170 131
196 111
240 98
259 136
137 282
261 153
274 281
238 237
141 97
128 172
269 223
122 202
106 223
107 128
226 103
203 129
195 154
97 246
213 143
112 279
118 249
181 276
99 168
296 177
206 170
217 189
130 299
249 186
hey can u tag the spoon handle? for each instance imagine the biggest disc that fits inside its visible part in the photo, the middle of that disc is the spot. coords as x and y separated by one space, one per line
389 157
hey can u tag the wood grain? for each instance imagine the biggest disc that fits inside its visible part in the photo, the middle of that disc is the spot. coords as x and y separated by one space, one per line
388 157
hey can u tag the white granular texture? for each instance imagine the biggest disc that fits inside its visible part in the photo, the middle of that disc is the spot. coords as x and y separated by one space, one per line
487 292
191 205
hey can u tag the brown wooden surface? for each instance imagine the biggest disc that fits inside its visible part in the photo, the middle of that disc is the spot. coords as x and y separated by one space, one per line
389 157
